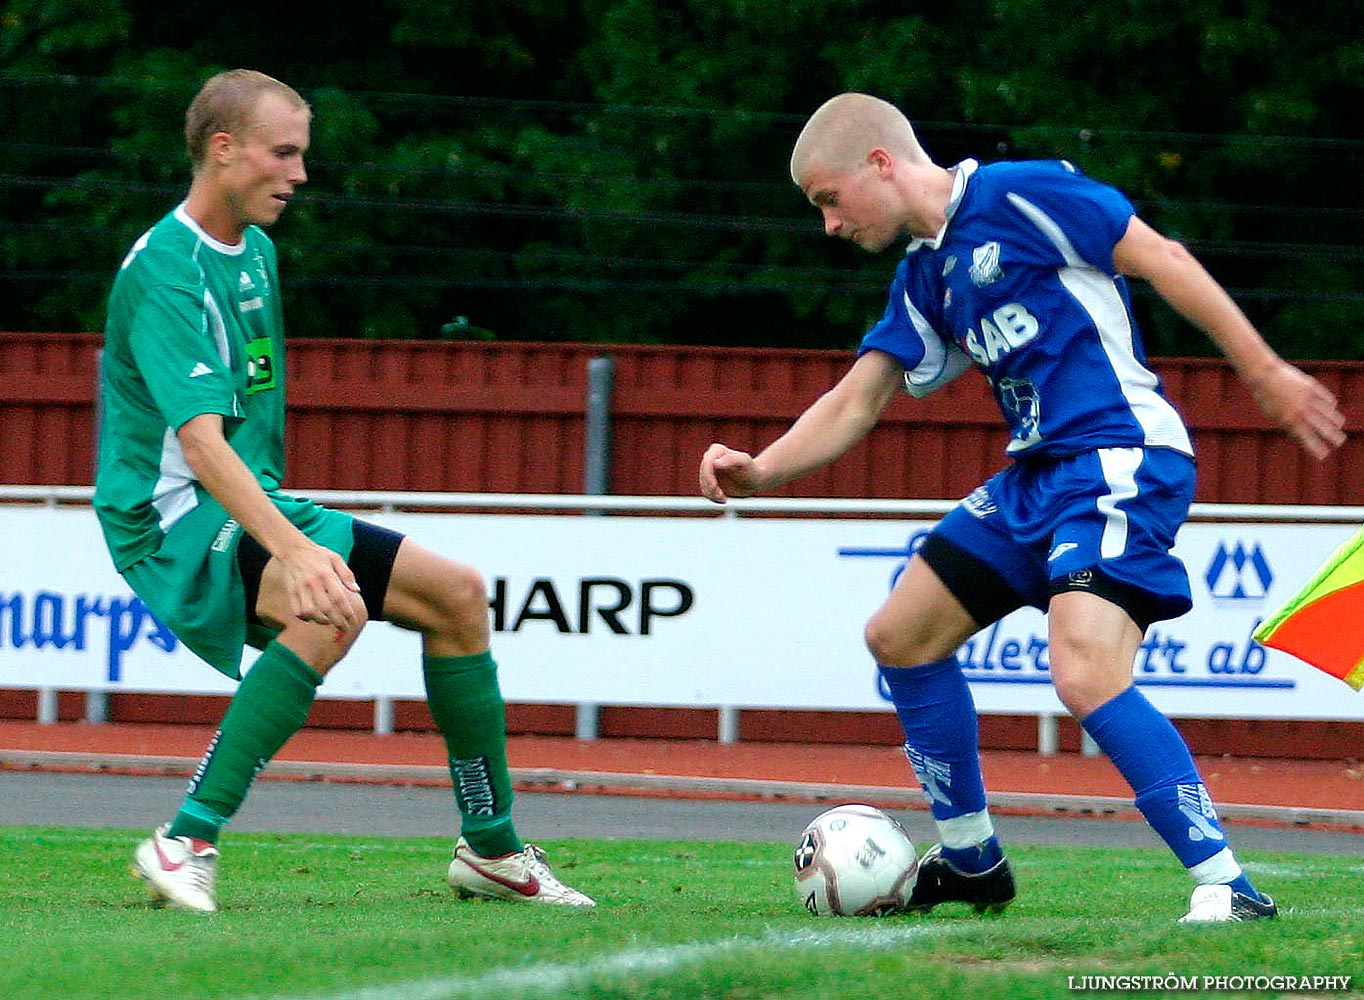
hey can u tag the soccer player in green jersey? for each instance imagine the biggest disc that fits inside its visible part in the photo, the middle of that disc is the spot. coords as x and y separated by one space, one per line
191 461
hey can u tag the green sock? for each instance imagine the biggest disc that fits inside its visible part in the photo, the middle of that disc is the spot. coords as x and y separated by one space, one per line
467 705
271 704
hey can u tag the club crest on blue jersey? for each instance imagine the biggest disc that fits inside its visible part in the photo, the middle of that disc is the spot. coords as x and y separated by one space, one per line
985 269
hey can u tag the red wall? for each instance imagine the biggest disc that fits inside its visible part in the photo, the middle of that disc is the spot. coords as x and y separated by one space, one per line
508 418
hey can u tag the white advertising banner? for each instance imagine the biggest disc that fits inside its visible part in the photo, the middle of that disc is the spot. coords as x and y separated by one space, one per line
683 611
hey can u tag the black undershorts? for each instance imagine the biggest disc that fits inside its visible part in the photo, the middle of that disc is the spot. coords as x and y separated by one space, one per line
371 560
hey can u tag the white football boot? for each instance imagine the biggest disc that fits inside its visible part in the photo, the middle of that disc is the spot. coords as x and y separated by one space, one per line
523 877
1220 904
179 871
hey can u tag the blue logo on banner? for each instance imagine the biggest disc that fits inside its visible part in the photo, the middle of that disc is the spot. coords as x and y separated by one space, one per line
1239 572
67 621
995 655
901 555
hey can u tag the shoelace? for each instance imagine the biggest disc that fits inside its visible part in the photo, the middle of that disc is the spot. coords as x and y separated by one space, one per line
201 874
200 870
538 863
535 854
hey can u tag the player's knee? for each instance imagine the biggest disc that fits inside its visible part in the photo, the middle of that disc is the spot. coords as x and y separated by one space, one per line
1078 694
463 598
1089 664
342 640
322 646
893 645
345 636
1082 689
880 643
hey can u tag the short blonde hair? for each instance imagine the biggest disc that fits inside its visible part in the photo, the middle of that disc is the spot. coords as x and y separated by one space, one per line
844 129
225 103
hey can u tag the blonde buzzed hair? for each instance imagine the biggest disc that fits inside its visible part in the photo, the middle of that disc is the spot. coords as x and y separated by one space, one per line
225 104
844 129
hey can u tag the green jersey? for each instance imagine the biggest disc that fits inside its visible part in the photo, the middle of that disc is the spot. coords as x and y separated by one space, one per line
194 326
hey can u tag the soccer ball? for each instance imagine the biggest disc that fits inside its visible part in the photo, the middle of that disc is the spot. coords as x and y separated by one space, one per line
854 861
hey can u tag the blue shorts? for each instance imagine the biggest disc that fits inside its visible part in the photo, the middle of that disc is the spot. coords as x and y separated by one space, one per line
1103 521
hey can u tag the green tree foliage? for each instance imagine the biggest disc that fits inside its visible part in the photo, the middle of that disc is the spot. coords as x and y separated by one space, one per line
616 170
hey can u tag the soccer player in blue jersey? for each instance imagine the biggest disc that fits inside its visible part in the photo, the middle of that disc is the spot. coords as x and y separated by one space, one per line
1019 270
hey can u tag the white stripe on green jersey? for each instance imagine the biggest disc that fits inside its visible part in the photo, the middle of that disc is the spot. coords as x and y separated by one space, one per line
194 326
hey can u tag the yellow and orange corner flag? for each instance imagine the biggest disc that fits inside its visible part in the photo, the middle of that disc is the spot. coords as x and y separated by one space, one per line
1323 623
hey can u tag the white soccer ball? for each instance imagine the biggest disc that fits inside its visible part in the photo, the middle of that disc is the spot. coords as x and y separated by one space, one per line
854 861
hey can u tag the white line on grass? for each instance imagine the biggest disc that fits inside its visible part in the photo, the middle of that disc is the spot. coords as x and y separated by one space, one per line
1300 868
549 979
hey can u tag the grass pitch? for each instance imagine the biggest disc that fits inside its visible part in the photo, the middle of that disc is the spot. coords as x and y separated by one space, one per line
325 918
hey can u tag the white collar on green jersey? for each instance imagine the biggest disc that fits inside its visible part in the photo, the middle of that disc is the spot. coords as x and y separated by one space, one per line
231 249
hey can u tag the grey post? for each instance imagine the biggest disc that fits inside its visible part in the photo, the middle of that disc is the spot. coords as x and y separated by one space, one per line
601 376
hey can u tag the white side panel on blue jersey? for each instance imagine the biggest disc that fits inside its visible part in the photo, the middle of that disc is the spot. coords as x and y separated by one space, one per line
1097 294
1099 297
1120 473
954 363
942 362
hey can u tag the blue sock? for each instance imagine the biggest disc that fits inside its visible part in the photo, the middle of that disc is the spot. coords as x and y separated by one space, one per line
1149 752
942 742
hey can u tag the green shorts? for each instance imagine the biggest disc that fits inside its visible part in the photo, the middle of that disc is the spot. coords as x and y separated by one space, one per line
194 585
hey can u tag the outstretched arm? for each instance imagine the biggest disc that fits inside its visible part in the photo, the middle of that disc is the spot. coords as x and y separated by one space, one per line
1298 403
833 424
322 588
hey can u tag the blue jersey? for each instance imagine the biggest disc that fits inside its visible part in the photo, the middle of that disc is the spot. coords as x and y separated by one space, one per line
1020 283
